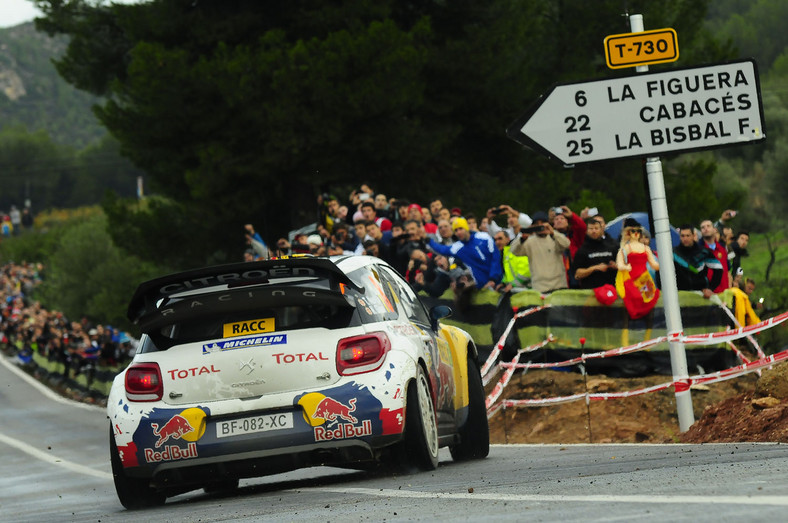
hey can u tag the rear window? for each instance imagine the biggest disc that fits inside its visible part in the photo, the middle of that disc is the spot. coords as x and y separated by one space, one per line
292 311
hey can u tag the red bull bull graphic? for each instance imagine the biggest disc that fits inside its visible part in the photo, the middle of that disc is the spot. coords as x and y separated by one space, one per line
330 409
332 418
176 427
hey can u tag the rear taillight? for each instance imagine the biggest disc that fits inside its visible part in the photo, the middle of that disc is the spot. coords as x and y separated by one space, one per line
143 382
362 353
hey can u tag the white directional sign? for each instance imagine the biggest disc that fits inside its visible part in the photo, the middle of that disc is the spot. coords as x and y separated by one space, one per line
646 115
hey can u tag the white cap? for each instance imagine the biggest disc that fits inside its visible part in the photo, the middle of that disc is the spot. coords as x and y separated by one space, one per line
524 220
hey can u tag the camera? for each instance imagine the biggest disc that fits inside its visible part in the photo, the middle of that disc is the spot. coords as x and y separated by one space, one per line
498 210
558 210
531 230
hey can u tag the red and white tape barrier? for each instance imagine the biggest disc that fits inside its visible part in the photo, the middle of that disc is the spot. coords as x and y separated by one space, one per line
725 308
680 385
491 359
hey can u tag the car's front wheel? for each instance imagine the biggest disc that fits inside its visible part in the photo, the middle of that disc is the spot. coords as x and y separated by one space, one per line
421 430
133 493
475 433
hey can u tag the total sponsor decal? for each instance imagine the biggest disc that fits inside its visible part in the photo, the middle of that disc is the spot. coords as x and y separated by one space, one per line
305 356
242 343
194 371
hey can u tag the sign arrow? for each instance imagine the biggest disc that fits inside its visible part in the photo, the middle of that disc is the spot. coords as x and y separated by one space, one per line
646 115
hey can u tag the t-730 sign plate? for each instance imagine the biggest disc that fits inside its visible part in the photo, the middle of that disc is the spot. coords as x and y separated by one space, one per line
646 115
644 48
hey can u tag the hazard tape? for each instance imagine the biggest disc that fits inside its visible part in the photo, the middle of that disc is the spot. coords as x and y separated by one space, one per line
643 345
679 385
488 378
734 334
491 359
725 308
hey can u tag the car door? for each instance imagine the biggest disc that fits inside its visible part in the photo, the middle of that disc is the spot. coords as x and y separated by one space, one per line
441 364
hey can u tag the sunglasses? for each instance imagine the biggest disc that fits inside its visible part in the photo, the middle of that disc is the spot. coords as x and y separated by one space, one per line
636 231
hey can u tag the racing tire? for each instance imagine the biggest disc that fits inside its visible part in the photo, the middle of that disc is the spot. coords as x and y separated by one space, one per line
420 446
133 493
474 435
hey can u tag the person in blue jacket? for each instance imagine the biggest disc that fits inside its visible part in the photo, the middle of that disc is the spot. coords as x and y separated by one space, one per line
477 250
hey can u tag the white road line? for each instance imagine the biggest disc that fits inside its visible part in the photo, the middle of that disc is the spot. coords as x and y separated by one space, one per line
43 389
52 459
702 500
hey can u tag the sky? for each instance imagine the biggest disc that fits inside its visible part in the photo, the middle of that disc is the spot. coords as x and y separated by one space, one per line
15 12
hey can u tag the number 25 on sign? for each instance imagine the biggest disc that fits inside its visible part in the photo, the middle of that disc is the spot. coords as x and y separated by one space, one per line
644 48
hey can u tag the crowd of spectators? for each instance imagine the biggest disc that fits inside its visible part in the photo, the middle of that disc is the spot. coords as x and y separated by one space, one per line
438 247
80 345
435 248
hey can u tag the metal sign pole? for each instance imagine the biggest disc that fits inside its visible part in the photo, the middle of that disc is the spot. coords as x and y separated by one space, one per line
667 272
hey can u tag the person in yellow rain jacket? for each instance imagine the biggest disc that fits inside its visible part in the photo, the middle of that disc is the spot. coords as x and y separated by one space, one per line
742 306
516 270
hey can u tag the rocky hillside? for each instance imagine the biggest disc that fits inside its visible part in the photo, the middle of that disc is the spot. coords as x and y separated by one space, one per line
33 95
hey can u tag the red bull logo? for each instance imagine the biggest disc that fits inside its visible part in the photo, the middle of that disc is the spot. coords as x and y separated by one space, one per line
189 425
330 410
327 414
171 453
343 431
175 428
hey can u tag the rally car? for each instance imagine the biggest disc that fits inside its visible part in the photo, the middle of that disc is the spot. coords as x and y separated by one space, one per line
257 368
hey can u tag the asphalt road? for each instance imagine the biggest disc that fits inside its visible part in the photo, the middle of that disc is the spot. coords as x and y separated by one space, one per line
54 466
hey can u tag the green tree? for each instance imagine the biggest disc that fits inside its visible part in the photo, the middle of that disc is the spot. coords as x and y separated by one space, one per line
244 111
87 275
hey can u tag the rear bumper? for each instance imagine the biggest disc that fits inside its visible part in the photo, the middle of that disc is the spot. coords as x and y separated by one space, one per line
344 424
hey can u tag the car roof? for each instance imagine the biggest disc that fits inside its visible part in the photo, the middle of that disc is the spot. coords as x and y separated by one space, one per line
219 278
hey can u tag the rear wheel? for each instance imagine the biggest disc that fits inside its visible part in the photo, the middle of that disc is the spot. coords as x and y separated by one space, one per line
133 493
420 447
475 433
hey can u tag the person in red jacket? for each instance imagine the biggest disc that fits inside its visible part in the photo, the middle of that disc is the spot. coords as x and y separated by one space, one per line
573 227
711 240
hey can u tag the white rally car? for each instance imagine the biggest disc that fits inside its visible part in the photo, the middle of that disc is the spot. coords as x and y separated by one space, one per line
257 368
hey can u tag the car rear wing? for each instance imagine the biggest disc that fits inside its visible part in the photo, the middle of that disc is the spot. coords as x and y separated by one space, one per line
227 284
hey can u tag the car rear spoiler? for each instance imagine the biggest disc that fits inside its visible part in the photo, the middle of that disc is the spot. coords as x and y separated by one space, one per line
231 279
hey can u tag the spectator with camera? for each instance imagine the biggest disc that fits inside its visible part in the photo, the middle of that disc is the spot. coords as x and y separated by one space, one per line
595 261
369 213
416 238
737 251
515 220
255 242
711 241
545 250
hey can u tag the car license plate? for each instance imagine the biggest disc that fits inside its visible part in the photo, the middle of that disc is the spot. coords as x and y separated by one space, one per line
250 425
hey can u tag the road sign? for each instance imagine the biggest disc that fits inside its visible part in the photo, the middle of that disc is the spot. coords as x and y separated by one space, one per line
646 115
643 48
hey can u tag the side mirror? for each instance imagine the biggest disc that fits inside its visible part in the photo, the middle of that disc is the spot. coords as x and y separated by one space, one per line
438 312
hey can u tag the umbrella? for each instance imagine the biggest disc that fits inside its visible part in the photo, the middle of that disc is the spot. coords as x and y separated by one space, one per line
613 227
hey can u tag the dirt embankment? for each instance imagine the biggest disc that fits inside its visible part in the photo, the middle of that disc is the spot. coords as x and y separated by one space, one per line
749 408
